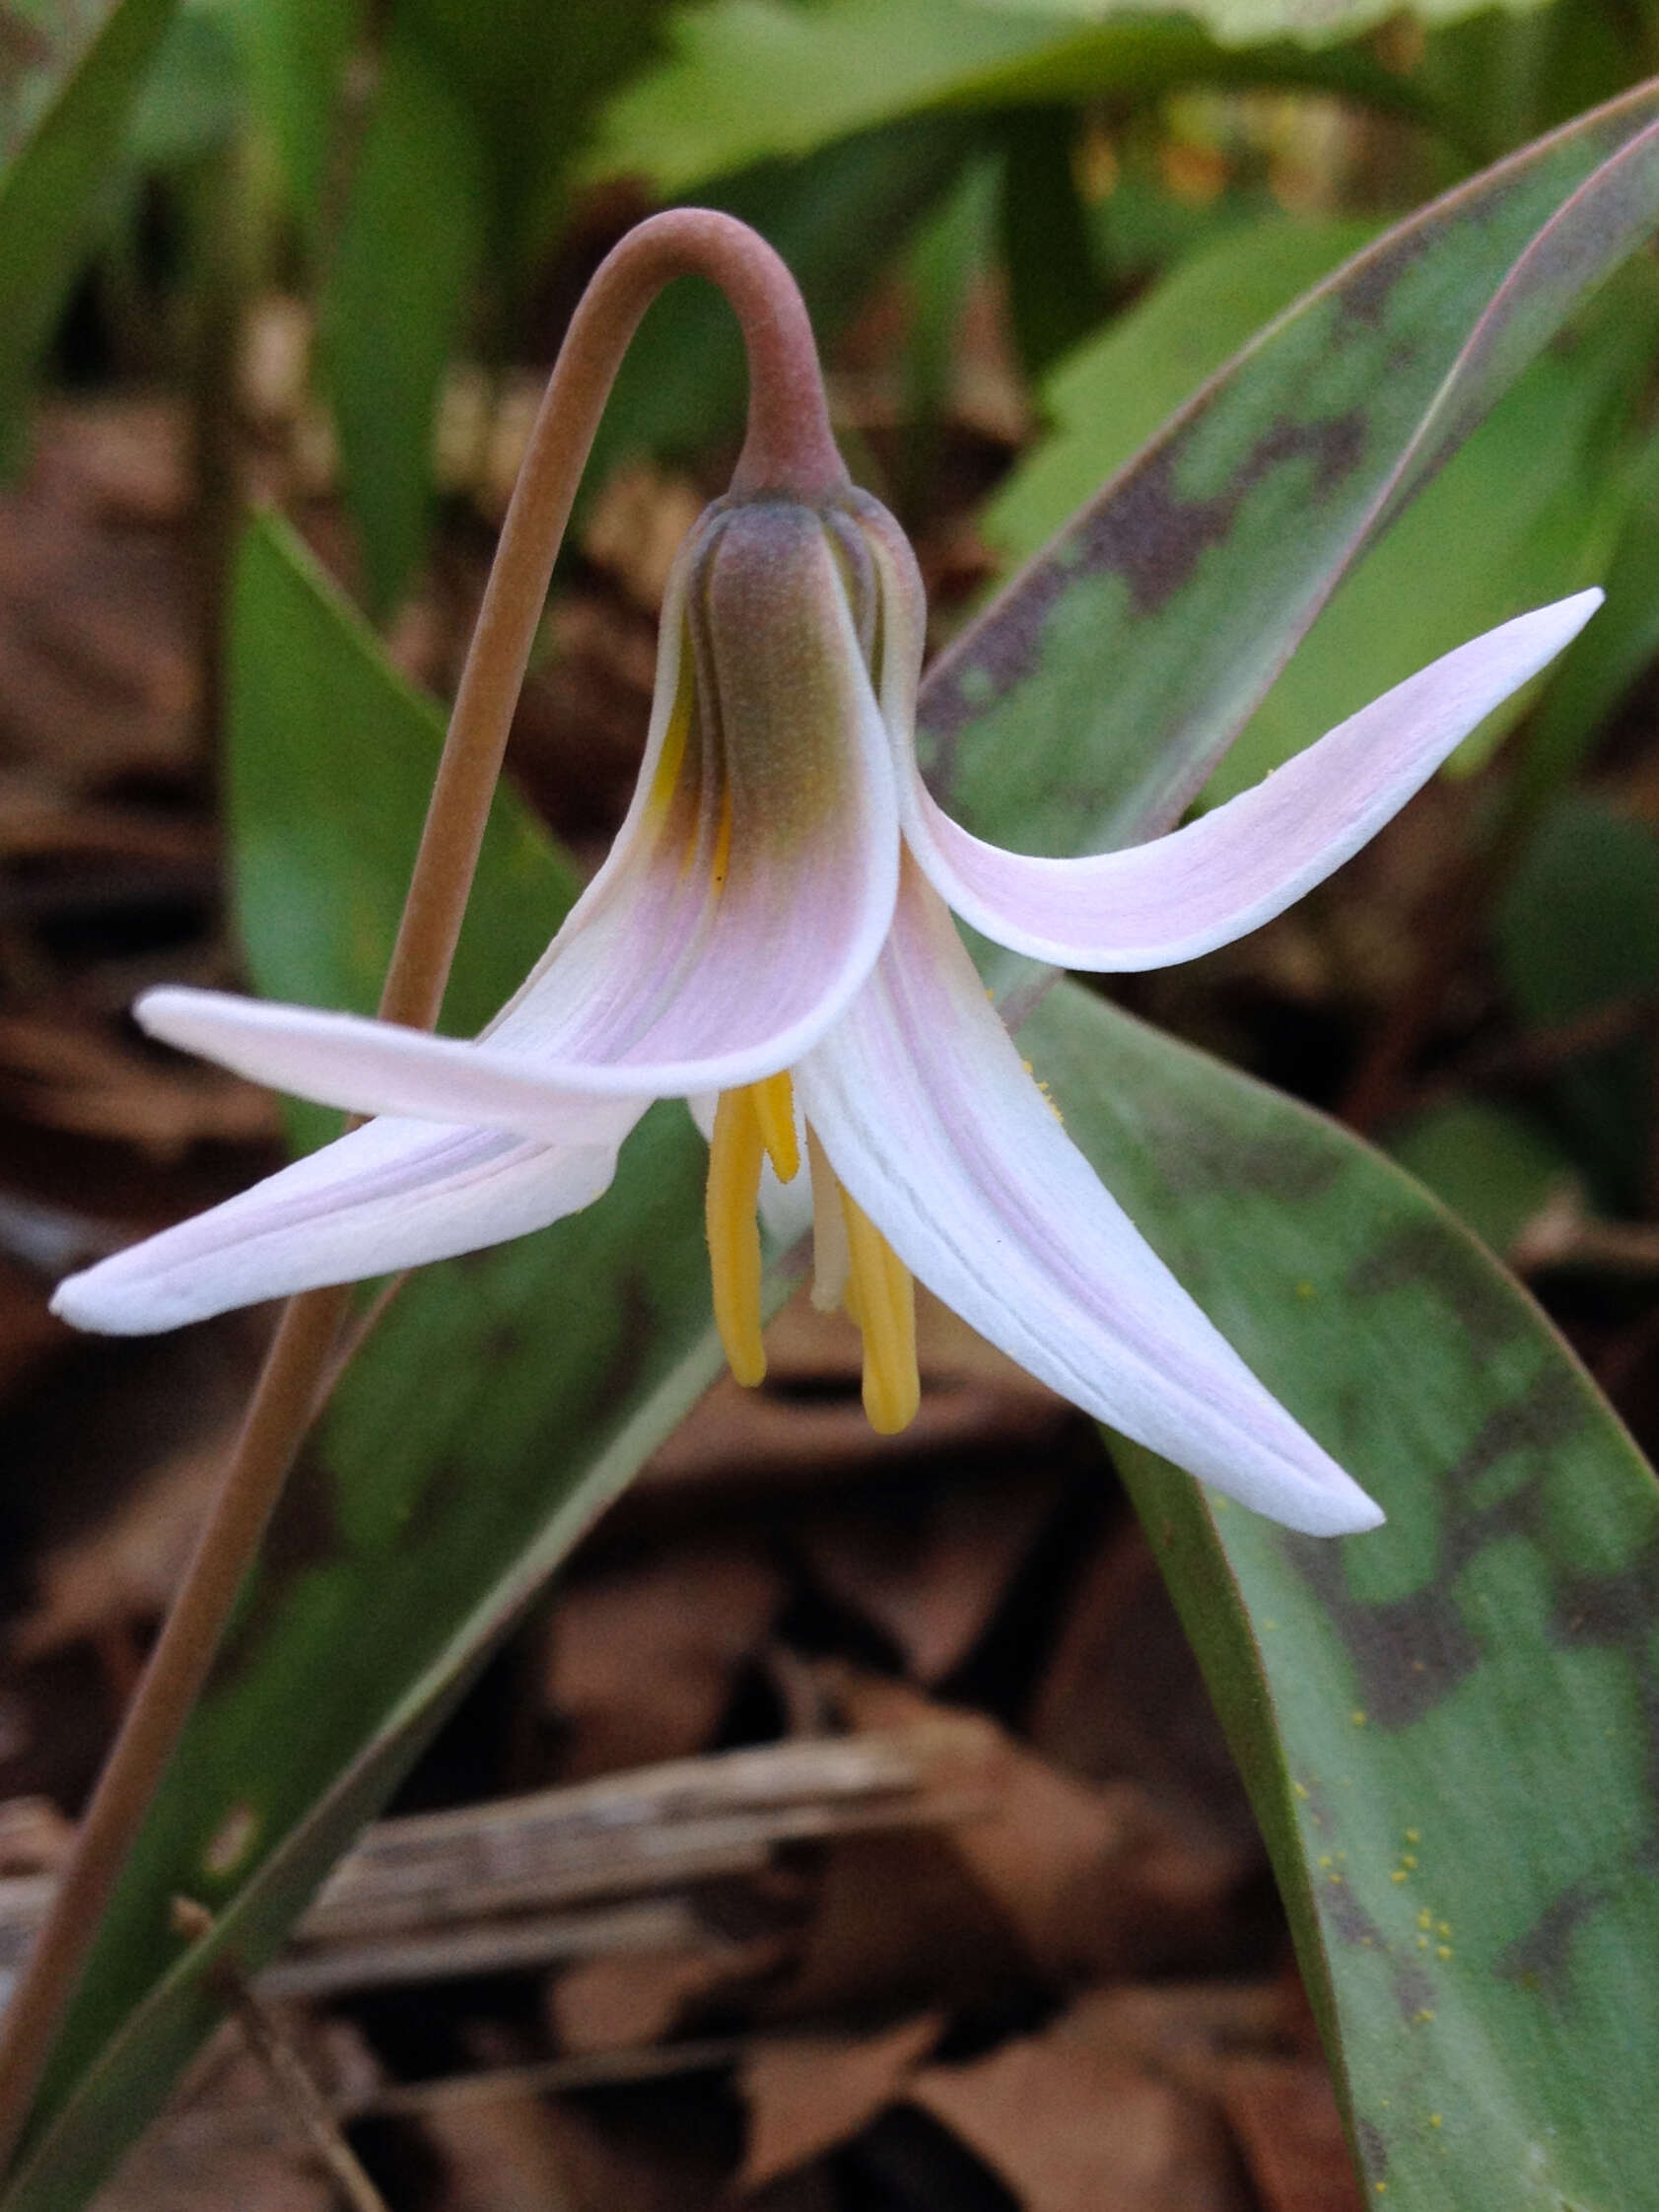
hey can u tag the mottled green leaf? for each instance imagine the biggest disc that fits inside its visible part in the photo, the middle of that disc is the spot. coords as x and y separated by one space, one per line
504 1398
1094 699
1116 390
1447 1725
757 80
408 248
1493 535
69 77
320 876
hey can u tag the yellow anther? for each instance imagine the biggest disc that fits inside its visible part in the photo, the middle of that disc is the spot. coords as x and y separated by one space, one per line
734 1158
773 1105
882 1300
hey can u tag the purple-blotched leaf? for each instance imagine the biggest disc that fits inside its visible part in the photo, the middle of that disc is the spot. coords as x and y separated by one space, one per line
1091 700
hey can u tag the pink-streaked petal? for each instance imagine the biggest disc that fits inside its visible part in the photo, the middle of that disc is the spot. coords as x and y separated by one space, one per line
928 1117
1232 869
710 952
392 1195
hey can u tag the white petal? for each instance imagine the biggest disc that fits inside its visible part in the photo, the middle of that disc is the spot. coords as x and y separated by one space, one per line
928 1117
710 953
741 907
366 1066
392 1195
1230 870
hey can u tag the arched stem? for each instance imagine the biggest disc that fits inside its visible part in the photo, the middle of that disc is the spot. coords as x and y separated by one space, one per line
789 448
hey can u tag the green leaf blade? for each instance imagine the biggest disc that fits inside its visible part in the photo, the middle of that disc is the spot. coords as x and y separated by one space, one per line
1446 1725
62 119
1196 571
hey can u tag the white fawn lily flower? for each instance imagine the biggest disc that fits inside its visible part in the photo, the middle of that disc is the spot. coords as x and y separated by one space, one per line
769 934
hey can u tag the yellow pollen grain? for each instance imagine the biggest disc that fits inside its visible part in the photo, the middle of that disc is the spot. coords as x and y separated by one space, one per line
1425 1919
773 1098
1413 1836
1398 1874
1436 2119
881 1298
734 1159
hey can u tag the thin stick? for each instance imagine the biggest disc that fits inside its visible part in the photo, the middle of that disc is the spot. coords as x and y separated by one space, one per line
789 447
286 2071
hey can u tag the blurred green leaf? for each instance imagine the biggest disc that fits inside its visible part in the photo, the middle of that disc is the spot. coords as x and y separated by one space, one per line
320 876
1603 662
192 103
1055 292
504 1398
293 55
409 248
1576 932
530 76
838 219
70 76
755 79
1493 1168
1446 1724
1242 23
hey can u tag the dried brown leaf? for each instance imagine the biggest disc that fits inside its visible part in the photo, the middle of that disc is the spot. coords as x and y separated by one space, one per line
806 2093
641 1657
1073 2128
1283 2112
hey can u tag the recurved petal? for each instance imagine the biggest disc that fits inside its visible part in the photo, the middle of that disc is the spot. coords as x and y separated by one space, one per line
366 1066
392 1195
1229 871
930 1120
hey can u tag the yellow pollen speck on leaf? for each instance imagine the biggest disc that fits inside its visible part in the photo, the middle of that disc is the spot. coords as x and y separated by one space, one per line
1357 1716
1442 1951
1413 1836
1408 1858
1436 2119
1398 1875
1425 1919
1302 1788
1445 1927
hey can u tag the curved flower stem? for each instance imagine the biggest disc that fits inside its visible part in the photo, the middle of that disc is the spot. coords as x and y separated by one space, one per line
789 447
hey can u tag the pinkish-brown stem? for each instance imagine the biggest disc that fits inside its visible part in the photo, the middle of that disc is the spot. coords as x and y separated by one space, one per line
789 448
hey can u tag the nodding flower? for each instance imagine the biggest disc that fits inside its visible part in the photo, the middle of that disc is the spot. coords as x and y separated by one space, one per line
771 939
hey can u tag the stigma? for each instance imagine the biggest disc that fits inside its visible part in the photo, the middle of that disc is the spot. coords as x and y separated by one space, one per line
853 1264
